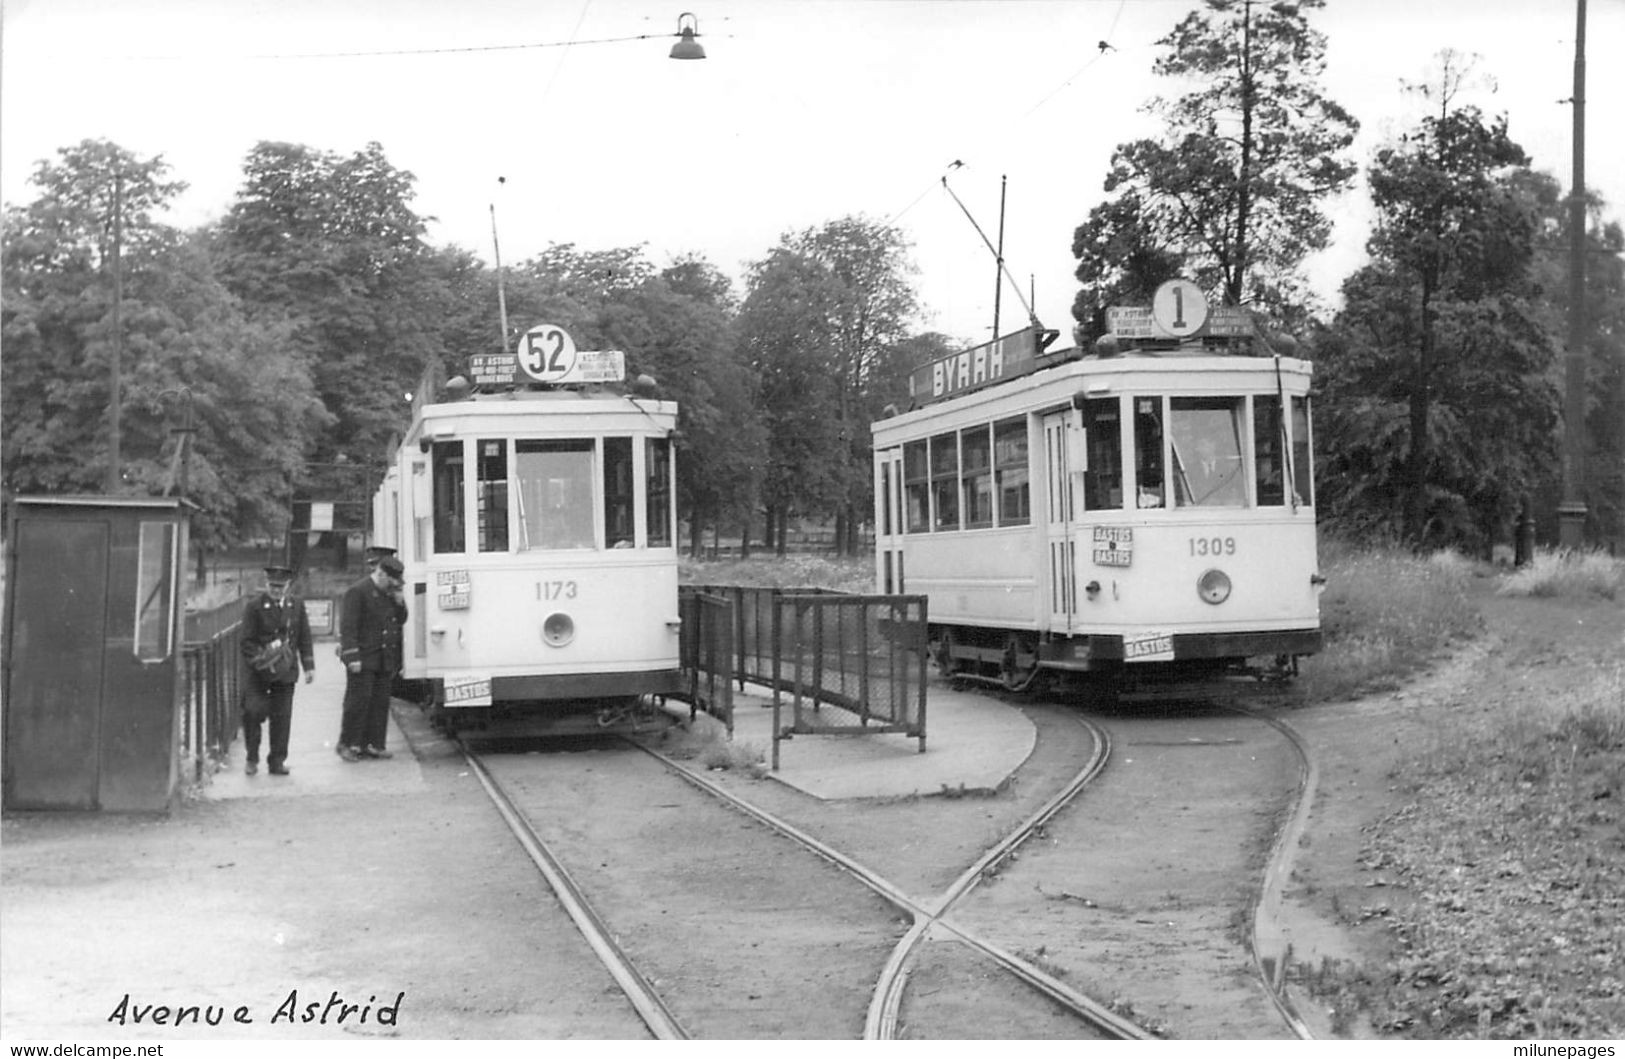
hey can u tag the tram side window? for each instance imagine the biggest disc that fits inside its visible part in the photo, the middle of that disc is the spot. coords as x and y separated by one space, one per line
449 514
1010 469
619 528
554 479
491 494
945 482
976 473
1205 435
1303 471
1148 451
1269 450
657 461
1103 482
917 487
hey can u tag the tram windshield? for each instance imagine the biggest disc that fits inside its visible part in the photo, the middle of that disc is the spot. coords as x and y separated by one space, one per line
546 494
1204 441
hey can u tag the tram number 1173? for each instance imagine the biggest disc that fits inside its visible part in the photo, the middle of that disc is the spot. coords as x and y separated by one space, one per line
1207 546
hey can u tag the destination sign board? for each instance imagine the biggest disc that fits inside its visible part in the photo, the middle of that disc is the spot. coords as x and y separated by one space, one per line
1003 358
1138 321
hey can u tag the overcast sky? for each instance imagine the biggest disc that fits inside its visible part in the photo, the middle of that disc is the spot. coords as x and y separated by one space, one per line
804 111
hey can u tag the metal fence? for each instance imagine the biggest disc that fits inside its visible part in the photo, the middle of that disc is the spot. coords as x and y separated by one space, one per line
706 652
837 663
212 682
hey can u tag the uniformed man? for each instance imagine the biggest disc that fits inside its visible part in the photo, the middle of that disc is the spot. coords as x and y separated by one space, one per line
371 617
275 645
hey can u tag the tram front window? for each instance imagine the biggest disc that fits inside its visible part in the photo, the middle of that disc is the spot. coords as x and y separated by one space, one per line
491 496
1148 451
554 480
1103 481
449 517
1205 436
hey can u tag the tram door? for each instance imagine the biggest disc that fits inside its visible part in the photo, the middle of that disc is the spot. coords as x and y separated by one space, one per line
889 521
1063 455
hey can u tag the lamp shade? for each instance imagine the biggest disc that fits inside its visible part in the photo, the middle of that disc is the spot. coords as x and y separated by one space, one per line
688 27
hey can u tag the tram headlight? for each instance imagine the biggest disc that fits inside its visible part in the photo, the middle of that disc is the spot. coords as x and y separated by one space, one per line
558 629
1213 586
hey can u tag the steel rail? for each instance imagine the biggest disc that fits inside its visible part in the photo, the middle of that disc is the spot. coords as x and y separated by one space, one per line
1279 868
638 989
882 1020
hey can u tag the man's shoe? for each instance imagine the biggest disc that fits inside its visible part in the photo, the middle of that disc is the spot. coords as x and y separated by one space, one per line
377 752
279 770
252 767
349 753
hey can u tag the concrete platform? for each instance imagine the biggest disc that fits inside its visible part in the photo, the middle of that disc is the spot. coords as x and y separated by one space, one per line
973 742
313 766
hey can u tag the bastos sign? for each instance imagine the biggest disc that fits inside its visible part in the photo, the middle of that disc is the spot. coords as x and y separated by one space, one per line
1003 358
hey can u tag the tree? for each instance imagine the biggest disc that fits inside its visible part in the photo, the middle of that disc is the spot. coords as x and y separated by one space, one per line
824 313
329 247
1231 195
187 348
1438 401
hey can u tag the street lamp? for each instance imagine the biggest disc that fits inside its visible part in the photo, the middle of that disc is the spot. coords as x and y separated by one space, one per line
688 27
185 430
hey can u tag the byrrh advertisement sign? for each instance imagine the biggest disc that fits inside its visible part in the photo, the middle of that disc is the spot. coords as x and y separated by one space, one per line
1003 358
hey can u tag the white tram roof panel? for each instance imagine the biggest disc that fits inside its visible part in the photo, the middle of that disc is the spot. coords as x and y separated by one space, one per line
544 412
1136 372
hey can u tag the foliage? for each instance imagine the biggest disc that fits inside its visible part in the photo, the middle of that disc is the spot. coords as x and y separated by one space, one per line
822 326
328 247
1437 414
1230 195
1573 574
187 351
1385 614
794 571
1506 844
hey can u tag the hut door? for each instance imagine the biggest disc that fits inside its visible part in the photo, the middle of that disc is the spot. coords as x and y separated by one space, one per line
57 650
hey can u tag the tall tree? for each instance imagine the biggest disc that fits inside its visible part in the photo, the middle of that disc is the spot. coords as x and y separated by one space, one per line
1438 383
867 305
1231 194
188 353
329 246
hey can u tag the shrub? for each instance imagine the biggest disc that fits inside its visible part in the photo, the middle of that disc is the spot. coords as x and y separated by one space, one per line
1567 573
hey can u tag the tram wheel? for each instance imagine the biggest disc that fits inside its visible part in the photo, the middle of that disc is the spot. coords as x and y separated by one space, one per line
1012 674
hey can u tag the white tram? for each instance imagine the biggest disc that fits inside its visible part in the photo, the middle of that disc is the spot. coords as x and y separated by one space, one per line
1137 514
534 514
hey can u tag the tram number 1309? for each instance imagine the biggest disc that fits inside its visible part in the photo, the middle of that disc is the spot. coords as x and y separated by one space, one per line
1205 546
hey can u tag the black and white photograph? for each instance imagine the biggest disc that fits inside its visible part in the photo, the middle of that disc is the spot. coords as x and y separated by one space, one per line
587 521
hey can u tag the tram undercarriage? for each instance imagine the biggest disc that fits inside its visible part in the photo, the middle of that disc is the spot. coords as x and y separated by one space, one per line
1024 660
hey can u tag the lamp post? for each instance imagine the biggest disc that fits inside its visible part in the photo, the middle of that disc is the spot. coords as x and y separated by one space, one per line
185 431
1571 511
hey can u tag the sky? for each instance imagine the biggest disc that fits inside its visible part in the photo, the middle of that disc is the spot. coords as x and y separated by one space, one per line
556 120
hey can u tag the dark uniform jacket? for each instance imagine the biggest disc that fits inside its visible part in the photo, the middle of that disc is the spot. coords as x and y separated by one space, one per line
265 619
370 622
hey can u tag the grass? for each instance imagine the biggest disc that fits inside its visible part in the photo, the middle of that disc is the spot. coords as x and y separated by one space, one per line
1568 574
1385 614
855 574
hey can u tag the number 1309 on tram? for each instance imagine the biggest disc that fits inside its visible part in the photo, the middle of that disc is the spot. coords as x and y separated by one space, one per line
1135 514
534 516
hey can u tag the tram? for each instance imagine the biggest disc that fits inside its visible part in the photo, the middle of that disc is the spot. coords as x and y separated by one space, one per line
533 510
1132 514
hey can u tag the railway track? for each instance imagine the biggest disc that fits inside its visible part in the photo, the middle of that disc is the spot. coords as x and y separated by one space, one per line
929 918
927 921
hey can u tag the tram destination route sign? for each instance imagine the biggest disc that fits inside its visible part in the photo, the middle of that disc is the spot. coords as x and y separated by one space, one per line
547 354
1178 311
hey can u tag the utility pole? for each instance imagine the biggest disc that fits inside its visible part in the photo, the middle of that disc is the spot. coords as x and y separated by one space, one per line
115 382
1571 511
